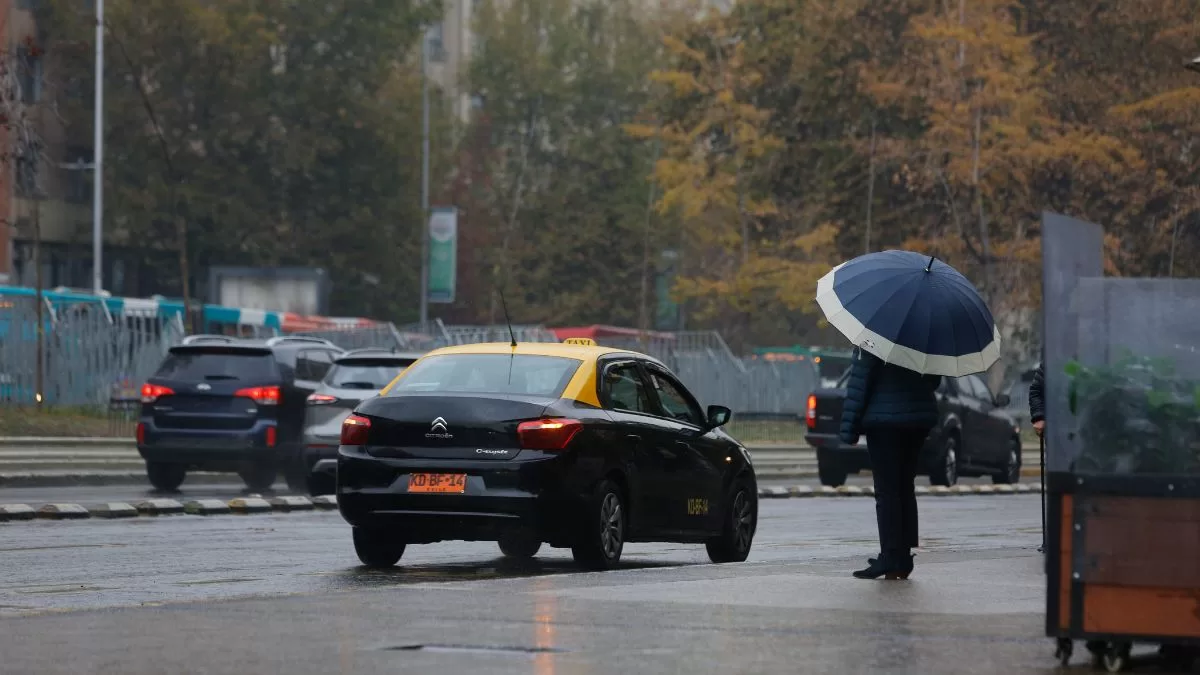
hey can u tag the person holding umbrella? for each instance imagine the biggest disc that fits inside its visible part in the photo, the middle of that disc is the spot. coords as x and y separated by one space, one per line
912 319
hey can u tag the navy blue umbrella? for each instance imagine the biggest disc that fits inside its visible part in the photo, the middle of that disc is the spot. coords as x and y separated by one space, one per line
911 310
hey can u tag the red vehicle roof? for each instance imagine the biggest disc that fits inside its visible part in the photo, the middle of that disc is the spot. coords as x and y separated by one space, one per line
597 331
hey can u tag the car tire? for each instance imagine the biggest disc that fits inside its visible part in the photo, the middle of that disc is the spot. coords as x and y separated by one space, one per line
258 477
519 546
1011 473
166 476
831 472
739 523
377 549
945 469
602 533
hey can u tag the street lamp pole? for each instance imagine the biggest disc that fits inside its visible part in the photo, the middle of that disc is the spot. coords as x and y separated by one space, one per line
97 159
424 183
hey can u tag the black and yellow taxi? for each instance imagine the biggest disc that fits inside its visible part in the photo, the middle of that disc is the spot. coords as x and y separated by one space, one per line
573 445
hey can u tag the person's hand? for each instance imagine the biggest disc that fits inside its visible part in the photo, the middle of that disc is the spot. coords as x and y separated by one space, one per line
1039 426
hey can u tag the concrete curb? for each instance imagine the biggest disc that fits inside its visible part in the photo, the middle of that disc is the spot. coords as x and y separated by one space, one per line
155 507
206 507
16 512
158 507
62 512
295 504
114 510
249 505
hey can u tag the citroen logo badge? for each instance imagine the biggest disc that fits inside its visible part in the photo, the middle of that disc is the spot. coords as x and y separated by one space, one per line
203 387
438 429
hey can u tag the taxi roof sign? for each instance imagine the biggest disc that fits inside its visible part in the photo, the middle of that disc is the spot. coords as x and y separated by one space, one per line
581 341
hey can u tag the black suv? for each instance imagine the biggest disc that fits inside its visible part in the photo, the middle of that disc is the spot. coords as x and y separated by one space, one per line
221 403
975 435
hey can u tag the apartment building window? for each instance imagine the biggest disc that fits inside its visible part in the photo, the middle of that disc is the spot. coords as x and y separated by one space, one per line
26 171
30 76
79 175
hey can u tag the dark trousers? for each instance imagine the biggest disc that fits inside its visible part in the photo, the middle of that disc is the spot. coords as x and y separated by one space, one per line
894 456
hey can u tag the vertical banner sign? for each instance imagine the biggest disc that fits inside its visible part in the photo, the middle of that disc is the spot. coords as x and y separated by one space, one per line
443 253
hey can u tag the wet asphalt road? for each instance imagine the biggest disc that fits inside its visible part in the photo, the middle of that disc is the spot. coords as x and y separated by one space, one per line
94 564
283 593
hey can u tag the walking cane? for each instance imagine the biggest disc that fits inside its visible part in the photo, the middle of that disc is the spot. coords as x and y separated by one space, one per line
1042 445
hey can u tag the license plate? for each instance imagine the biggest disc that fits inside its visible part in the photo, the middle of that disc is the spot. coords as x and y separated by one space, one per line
442 483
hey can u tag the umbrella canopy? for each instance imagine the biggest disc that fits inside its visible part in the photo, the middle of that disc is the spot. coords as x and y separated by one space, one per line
913 311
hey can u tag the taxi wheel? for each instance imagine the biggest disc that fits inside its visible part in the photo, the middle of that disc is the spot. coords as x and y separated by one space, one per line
165 476
602 536
739 524
520 546
377 548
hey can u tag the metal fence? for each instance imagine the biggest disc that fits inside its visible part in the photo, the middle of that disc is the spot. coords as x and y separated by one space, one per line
89 357
93 358
702 360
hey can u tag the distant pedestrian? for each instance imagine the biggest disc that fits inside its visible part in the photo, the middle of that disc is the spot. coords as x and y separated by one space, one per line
896 409
1037 400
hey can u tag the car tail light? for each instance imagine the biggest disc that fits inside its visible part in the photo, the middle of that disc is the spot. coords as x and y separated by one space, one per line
260 395
141 433
272 436
321 399
548 434
153 392
810 417
355 430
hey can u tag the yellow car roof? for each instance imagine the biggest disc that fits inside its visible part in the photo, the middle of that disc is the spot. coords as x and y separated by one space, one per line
572 351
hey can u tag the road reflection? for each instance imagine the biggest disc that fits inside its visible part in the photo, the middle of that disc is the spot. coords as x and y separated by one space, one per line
358 578
544 615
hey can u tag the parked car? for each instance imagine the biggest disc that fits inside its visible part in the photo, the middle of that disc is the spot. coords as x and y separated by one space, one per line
355 377
975 435
220 403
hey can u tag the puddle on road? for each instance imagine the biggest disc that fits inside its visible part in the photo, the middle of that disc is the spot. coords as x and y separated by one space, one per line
476 649
61 590
210 582
17 549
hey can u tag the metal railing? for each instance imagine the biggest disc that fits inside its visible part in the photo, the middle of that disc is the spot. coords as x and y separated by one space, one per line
89 356
93 358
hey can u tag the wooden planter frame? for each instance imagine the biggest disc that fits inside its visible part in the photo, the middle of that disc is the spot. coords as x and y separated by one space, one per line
1123 559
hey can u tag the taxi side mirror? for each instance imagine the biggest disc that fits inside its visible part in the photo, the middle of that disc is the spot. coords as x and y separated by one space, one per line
718 416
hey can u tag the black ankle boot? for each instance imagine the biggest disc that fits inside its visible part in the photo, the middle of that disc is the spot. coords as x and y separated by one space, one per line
899 565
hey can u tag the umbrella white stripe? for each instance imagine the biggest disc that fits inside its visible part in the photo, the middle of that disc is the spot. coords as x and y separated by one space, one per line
890 352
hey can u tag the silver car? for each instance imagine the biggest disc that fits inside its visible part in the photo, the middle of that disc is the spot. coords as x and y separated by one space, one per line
354 377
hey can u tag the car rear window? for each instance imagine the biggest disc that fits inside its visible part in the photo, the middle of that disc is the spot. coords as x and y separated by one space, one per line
197 365
489 374
365 373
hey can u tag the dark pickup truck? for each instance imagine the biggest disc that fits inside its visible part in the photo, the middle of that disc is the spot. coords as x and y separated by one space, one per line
974 435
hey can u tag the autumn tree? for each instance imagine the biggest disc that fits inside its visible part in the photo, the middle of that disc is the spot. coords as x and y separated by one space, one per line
557 216
276 133
987 145
746 257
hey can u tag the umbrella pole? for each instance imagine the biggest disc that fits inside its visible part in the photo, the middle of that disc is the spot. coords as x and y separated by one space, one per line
1042 446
